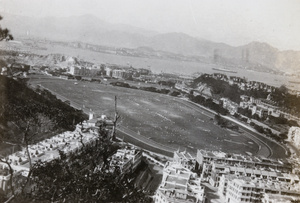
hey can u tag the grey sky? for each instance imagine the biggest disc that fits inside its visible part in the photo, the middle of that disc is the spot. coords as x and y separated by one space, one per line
235 22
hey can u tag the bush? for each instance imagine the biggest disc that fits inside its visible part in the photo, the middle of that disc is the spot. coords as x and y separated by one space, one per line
175 93
244 120
277 120
120 84
259 128
292 123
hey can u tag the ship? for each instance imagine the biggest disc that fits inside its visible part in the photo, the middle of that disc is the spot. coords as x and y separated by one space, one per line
224 70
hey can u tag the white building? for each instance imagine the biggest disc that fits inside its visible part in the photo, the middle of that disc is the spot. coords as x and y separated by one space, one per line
127 159
185 159
294 135
231 106
74 70
239 190
179 184
45 150
118 73
3 71
108 71
207 157
246 189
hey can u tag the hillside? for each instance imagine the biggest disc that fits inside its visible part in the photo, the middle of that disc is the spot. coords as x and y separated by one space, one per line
23 108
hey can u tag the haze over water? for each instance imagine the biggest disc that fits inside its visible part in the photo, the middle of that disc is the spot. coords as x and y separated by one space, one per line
233 22
170 66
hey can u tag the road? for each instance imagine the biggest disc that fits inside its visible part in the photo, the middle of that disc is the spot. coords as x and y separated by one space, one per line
143 142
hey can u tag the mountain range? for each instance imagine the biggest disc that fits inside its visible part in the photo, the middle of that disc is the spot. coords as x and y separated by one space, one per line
90 29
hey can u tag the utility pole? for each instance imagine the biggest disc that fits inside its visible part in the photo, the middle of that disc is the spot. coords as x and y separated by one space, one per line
117 116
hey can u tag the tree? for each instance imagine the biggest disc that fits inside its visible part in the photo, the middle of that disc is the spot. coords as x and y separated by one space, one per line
11 172
258 128
175 93
85 177
116 118
5 33
29 126
283 89
81 135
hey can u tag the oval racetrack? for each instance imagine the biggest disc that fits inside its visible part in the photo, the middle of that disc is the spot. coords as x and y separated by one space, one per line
159 122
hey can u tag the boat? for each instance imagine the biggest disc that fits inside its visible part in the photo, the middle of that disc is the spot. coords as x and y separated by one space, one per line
224 70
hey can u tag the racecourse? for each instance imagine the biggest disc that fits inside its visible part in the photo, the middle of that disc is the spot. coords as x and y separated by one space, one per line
162 122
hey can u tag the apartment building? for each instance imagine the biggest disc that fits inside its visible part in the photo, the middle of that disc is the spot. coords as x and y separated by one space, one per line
179 184
207 157
185 159
218 170
244 189
45 150
128 159
294 135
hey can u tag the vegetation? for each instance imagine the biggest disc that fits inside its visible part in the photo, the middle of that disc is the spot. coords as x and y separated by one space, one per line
5 33
224 89
245 112
24 110
167 83
175 93
27 116
83 176
272 120
221 88
149 89
225 123
208 103
286 100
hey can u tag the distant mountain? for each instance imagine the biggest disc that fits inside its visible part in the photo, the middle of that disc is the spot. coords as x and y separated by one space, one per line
266 55
86 28
90 29
184 44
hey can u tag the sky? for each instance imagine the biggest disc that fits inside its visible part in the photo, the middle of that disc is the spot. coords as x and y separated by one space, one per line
235 22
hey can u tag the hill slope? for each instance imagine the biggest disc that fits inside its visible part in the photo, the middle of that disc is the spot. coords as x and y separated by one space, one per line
21 105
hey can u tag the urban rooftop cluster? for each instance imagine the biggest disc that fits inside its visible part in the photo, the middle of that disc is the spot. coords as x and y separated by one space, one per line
235 178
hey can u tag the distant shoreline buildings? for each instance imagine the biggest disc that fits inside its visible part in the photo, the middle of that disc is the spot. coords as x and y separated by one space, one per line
108 71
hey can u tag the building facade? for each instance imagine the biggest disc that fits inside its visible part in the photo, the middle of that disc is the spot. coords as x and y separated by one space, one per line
294 135
179 184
